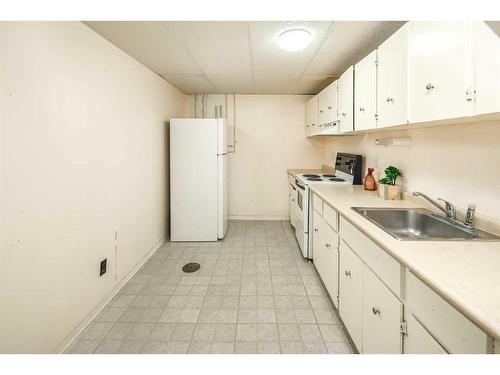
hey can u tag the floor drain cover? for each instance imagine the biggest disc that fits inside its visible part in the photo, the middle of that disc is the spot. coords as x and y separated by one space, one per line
191 267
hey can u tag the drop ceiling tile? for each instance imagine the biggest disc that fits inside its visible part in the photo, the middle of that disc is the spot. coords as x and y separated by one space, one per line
269 58
232 83
190 83
349 42
283 84
148 42
218 47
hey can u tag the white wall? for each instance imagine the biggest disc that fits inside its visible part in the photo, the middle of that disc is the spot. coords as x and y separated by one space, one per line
455 162
83 154
270 139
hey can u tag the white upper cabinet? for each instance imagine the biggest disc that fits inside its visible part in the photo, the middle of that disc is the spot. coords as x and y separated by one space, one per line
345 100
439 70
365 93
312 116
392 77
328 104
486 89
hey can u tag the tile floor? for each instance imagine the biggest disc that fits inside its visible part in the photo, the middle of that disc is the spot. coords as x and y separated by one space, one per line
253 294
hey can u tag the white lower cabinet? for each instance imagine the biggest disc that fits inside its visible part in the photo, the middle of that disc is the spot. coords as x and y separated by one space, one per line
382 316
454 331
418 340
351 294
292 197
325 255
385 308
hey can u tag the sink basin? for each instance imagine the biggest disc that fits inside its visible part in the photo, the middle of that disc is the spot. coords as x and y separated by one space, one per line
421 224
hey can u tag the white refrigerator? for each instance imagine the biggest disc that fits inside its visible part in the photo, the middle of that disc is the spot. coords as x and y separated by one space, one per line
198 179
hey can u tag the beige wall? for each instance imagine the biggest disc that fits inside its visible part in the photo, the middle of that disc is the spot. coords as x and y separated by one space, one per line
270 139
83 155
455 162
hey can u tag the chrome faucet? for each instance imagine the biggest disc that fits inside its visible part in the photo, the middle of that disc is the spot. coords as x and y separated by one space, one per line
448 209
469 215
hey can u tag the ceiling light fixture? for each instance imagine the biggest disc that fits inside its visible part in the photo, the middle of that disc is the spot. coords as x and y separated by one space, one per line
294 39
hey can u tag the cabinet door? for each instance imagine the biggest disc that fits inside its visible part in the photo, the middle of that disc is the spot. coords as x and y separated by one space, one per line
312 116
346 100
365 93
292 197
392 80
382 315
486 69
418 340
439 70
319 249
328 104
330 275
351 293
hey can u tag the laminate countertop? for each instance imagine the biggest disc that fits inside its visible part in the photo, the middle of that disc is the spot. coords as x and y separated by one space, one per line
465 273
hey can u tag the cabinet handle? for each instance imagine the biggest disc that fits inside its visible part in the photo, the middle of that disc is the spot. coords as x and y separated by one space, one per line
320 111
343 114
375 310
327 245
315 229
361 109
389 99
347 273
429 86
307 126
329 107
313 124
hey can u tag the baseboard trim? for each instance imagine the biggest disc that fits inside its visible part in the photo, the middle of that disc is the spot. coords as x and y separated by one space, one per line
85 322
250 217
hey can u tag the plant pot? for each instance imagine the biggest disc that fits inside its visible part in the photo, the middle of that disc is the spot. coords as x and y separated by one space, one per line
389 192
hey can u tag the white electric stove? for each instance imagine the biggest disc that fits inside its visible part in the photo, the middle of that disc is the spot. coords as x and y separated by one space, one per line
347 172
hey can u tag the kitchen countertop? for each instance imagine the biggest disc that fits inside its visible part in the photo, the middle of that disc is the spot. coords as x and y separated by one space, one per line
465 273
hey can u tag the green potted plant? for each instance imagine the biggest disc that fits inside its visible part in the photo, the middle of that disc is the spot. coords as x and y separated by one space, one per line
388 188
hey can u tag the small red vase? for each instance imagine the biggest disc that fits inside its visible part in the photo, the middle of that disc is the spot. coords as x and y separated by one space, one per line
369 182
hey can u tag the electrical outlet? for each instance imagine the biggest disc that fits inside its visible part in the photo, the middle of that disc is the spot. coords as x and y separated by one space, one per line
104 264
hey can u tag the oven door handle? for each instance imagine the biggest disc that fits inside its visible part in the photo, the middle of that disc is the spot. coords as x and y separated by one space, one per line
299 185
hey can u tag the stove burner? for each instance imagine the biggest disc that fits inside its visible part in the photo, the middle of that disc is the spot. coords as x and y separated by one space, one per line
338 179
315 179
329 175
311 175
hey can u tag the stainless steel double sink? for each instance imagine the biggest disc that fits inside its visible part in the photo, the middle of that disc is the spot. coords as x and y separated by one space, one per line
421 224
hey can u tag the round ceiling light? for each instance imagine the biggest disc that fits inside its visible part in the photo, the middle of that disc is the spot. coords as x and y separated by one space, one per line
294 39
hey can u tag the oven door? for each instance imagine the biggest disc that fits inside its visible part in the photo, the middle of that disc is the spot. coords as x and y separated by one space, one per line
302 211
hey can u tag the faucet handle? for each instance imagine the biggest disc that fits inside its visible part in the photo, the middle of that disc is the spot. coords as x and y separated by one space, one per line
450 208
469 215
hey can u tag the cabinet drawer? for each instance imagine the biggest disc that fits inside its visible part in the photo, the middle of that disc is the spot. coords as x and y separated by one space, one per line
317 204
331 217
418 340
384 266
454 331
